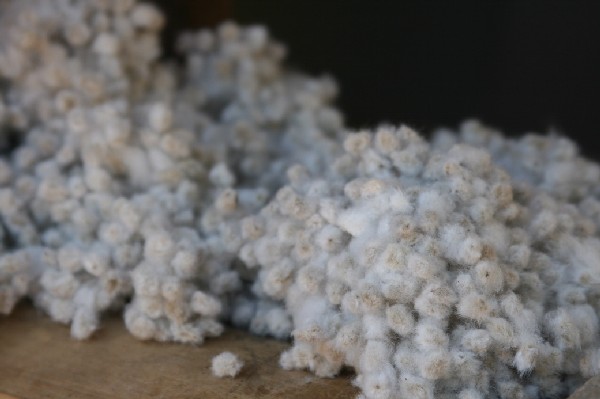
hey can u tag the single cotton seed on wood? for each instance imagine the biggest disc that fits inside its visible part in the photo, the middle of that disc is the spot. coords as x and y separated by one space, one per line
226 364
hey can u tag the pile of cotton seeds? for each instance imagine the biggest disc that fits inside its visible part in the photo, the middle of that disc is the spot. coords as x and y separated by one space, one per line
227 190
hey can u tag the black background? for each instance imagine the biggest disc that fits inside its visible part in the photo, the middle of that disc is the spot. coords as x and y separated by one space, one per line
518 66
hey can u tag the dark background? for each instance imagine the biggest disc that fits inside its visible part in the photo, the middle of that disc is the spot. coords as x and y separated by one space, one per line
519 66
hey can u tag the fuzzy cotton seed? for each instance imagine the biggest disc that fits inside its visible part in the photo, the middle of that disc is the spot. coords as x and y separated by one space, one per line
330 238
159 246
380 385
436 301
205 305
477 341
423 267
525 358
160 117
430 336
400 319
96 263
400 288
501 330
475 306
357 142
415 387
106 44
488 276
375 355
146 16
434 365
563 329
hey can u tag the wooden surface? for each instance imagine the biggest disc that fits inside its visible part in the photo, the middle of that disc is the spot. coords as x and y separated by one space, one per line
38 359
591 390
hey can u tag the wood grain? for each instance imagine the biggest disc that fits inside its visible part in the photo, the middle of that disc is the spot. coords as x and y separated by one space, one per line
590 390
39 360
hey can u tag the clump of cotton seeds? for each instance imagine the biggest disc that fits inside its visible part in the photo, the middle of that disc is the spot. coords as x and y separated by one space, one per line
125 189
72 72
426 270
269 118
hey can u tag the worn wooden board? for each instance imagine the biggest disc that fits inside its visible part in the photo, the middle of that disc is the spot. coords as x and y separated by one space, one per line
590 390
39 360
